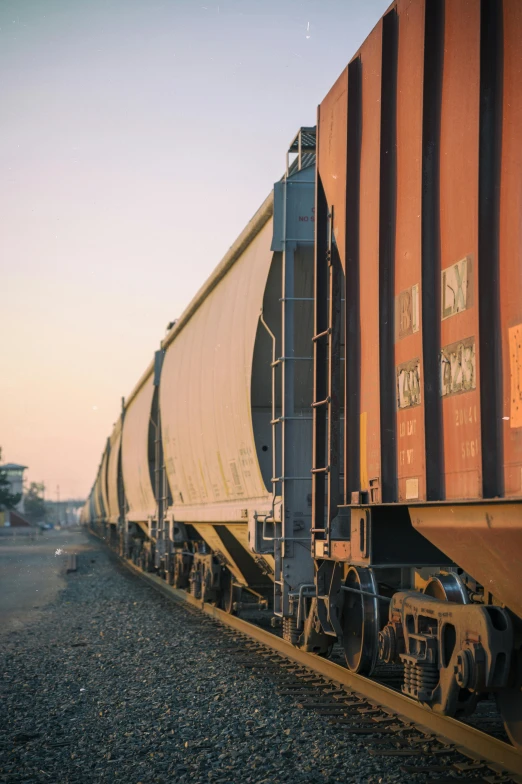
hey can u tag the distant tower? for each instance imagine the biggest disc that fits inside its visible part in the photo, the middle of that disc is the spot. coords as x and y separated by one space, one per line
15 476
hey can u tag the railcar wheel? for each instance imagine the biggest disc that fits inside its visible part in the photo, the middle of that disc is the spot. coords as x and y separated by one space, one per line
360 621
509 702
447 587
230 593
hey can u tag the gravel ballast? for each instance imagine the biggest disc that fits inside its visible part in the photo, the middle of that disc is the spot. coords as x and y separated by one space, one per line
114 682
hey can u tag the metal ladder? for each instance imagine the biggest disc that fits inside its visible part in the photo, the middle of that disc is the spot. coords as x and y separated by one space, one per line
287 421
283 485
327 378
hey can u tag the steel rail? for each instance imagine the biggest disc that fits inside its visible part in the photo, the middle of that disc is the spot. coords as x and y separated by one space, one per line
468 740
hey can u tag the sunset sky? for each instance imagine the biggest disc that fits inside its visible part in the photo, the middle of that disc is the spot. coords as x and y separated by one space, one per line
137 139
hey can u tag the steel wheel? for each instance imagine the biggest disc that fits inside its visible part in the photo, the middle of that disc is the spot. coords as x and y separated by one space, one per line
360 620
447 587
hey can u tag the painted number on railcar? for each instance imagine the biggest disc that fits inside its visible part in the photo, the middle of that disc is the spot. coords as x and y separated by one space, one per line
469 448
408 384
407 312
466 416
457 367
456 288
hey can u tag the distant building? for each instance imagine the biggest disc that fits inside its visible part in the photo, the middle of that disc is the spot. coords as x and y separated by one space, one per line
15 476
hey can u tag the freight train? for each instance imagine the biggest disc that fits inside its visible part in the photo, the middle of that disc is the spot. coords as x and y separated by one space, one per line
334 424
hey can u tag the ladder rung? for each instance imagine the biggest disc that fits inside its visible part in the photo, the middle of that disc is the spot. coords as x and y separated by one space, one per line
296 418
296 299
325 470
318 403
287 359
318 530
290 478
322 334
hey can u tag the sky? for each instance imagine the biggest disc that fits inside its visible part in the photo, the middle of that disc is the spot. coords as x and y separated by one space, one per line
137 139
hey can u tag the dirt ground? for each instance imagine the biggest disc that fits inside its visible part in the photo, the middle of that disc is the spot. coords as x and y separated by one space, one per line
32 573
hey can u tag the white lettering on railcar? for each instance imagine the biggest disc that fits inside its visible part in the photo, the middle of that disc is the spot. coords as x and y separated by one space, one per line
408 384
457 367
456 288
466 416
407 312
407 428
469 448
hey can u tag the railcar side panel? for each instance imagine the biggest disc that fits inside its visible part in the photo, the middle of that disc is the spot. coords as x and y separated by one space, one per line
364 470
112 473
510 248
331 163
409 365
103 482
431 251
135 457
207 429
459 351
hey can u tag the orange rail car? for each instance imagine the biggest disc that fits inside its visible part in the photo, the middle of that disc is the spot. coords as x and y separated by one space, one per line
419 186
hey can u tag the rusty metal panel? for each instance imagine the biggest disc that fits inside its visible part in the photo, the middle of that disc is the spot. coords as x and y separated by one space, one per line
370 422
408 269
426 124
510 245
112 473
205 397
484 539
331 159
459 330
135 455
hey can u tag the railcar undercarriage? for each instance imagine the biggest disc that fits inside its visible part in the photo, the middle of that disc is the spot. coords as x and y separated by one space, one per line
455 645
455 648
191 565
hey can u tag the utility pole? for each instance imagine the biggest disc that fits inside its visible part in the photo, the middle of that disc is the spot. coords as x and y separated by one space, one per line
58 504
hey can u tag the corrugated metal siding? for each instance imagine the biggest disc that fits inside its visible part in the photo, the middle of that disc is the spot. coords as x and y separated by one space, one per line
103 482
411 472
112 473
97 497
419 155
510 245
205 393
134 455
331 155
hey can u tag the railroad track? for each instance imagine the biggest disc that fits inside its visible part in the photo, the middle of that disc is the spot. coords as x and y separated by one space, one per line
434 748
